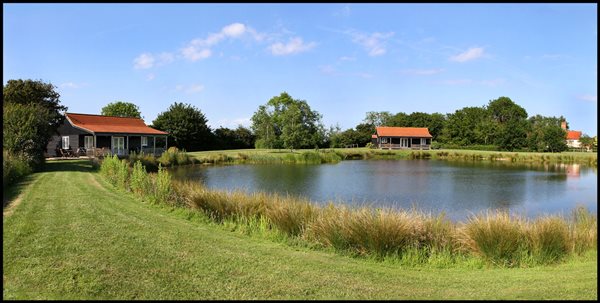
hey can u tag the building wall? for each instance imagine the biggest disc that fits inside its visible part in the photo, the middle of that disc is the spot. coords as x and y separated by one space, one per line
65 129
573 143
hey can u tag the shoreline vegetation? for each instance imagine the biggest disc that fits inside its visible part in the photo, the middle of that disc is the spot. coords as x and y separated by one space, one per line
335 155
410 237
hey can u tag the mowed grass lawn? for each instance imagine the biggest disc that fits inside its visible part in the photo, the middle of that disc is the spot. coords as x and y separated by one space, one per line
70 235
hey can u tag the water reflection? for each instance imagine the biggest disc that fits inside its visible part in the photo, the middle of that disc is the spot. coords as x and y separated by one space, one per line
456 188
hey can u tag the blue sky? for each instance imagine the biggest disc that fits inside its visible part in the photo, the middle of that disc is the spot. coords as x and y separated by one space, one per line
343 59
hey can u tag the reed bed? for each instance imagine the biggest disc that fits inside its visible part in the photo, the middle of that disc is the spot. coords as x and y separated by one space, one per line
496 237
414 237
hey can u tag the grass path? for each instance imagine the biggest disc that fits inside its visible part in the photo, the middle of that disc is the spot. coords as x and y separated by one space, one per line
74 237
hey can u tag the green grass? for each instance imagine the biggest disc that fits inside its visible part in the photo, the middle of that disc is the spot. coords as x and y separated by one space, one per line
255 156
73 236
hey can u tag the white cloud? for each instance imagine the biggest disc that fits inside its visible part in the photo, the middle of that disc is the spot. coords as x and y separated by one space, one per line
148 60
234 30
295 45
588 97
422 72
194 53
144 61
471 54
374 43
150 76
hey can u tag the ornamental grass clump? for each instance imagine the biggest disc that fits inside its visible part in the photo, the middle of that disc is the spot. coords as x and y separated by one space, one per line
583 230
496 237
549 239
289 214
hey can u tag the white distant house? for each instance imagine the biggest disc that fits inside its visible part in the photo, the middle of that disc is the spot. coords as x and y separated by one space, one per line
573 136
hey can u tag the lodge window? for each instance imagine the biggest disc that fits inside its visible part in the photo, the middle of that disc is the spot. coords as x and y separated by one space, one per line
88 142
65 142
144 141
384 140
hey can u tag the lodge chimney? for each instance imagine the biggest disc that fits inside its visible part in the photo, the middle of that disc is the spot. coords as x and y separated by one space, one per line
563 125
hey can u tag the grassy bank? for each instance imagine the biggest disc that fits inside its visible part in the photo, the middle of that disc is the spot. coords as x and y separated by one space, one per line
74 236
411 237
256 156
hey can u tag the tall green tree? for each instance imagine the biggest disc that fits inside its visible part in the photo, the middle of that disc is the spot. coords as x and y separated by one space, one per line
36 92
511 123
31 115
287 123
587 141
378 118
186 126
25 131
122 109
464 126
546 134
239 138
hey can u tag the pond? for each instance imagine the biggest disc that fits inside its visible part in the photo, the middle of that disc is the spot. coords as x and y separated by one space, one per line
455 188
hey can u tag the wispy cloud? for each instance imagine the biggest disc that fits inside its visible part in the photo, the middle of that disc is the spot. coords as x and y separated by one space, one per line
295 45
69 85
72 85
150 77
588 98
471 54
148 60
493 82
347 58
343 12
374 43
203 48
457 81
143 61
234 123
190 89
422 72
332 71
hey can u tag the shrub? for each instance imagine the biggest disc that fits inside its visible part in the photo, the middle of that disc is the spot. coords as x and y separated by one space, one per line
140 182
14 167
162 185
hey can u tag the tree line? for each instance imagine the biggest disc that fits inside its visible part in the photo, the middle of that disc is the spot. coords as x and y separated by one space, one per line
32 112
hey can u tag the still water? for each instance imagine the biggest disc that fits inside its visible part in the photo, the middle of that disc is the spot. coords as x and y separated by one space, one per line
455 188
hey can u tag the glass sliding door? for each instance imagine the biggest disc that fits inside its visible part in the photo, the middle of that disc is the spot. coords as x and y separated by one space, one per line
118 145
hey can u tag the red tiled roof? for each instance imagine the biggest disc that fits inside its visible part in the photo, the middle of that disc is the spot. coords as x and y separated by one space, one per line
374 136
110 124
573 135
385 131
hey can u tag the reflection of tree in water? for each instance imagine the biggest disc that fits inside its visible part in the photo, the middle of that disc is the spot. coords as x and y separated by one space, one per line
294 179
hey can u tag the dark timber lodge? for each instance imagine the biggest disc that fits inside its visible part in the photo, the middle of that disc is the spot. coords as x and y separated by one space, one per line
95 135
401 138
